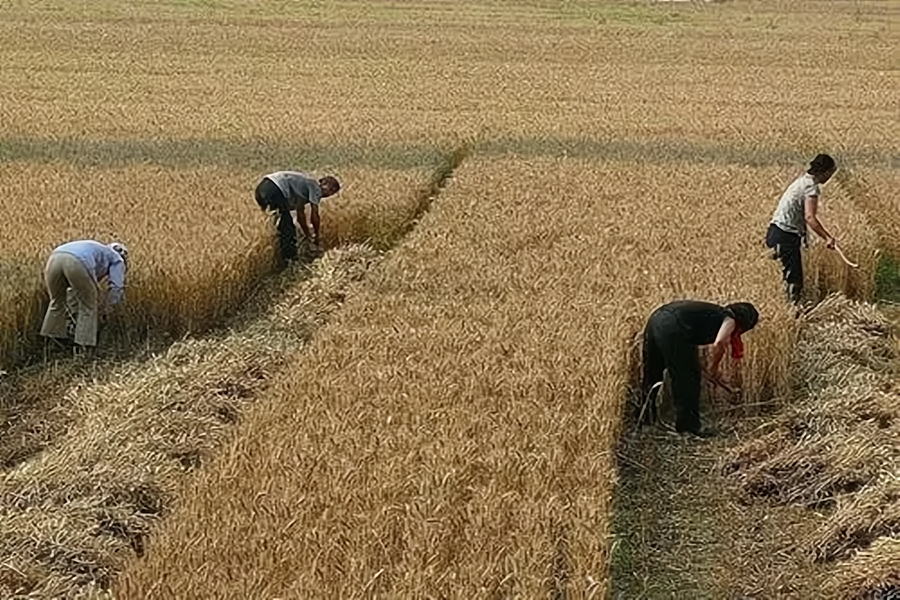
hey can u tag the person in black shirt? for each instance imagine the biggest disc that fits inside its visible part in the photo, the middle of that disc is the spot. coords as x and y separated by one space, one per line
672 336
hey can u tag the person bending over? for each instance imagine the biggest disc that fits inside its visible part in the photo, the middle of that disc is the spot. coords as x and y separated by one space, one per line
672 337
72 275
287 192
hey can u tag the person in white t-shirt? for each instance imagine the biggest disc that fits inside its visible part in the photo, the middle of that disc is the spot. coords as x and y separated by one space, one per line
798 209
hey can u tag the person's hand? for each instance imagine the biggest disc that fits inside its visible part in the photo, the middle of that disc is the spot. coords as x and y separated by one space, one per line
830 242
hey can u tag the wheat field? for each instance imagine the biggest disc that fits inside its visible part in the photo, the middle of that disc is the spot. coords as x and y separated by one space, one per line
433 408
478 459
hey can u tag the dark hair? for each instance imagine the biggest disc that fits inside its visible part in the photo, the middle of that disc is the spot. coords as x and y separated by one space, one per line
821 164
745 315
332 182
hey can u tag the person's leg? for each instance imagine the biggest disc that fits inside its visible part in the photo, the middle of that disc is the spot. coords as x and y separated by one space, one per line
270 197
792 263
787 249
54 325
287 235
684 369
653 370
85 291
71 312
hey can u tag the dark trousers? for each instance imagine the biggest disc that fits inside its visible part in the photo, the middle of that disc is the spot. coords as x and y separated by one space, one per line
787 248
269 196
665 347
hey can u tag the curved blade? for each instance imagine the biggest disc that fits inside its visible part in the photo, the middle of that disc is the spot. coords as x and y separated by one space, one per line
844 258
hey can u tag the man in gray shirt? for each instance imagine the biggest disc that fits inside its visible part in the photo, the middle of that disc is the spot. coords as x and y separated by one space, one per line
796 210
287 192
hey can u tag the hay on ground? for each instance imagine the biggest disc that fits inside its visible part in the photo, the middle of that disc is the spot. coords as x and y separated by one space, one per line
839 429
873 574
859 520
838 443
75 511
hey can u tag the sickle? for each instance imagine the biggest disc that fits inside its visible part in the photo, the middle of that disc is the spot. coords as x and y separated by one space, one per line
646 401
844 258
719 384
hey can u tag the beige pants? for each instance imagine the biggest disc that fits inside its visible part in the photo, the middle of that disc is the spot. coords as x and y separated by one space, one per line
69 283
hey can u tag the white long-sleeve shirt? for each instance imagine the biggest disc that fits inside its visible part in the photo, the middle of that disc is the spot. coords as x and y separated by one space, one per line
101 261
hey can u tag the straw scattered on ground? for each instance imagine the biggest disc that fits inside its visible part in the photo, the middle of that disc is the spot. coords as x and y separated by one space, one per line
72 513
834 448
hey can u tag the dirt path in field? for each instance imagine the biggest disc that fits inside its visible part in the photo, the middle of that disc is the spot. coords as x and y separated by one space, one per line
684 533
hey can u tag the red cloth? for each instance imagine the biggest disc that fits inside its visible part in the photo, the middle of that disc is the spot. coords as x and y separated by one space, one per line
737 345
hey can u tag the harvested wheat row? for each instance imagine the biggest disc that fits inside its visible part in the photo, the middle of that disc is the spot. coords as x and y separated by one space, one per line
75 512
198 241
837 442
873 574
862 518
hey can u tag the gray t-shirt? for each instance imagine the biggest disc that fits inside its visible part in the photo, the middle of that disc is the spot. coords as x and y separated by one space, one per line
299 188
790 215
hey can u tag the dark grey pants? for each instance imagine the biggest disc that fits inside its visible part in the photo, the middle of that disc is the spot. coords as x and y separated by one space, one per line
787 248
269 196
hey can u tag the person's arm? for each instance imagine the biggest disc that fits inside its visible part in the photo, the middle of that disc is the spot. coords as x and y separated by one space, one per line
810 208
116 284
314 219
314 196
301 221
720 345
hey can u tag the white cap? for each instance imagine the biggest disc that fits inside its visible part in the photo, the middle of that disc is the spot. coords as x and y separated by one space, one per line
120 249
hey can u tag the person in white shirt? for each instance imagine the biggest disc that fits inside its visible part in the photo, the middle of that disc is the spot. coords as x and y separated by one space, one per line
291 191
797 209
72 275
